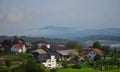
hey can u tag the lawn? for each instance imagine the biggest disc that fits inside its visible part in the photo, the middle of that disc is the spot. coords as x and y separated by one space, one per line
16 57
83 70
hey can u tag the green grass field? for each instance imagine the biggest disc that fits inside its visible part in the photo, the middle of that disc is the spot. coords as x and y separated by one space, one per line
16 57
83 70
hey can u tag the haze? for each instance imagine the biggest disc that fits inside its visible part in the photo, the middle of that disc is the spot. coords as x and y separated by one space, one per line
24 17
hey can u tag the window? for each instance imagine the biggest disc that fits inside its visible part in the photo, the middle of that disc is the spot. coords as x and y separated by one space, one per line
49 64
91 53
52 61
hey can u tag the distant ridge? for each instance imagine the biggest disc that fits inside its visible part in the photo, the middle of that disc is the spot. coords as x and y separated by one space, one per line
98 37
55 28
71 32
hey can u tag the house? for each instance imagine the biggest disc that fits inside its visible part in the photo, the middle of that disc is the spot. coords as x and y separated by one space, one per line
6 42
48 60
78 58
64 54
38 52
21 41
90 53
41 43
53 50
19 48
56 47
1 48
28 45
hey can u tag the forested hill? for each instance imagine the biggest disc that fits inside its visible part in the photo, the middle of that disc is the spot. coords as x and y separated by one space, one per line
98 37
33 39
80 39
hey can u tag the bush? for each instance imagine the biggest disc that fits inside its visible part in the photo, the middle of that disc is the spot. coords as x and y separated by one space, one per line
72 61
31 66
53 70
77 66
94 65
5 69
64 64
8 63
111 67
90 64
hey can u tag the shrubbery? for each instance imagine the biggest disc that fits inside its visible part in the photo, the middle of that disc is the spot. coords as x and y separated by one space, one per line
107 64
5 69
77 66
31 66
64 64
53 70
8 63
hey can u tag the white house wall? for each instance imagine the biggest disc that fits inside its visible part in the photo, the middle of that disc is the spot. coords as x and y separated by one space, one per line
50 63
91 55
48 45
41 44
19 50
24 49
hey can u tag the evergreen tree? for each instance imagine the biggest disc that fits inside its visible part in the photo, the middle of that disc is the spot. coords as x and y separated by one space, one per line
15 40
74 45
96 45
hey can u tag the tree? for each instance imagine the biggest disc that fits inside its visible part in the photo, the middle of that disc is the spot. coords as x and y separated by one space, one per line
15 40
97 57
7 45
7 48
31 66
74 45
96 45
106 50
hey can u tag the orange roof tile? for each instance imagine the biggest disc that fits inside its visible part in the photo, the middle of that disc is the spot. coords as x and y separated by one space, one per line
19 45
86 51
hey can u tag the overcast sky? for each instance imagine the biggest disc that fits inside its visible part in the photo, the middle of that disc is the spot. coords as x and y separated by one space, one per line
19 17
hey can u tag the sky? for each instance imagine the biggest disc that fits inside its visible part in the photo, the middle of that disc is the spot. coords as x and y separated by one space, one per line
25 17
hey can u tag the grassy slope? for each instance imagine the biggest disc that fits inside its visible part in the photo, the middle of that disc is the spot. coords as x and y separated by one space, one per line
83 70
16 57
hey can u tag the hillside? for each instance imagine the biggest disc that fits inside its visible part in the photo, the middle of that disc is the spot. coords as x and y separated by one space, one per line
33 39
73 33
99 37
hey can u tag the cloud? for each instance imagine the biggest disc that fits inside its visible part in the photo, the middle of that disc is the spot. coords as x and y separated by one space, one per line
15 17
11 15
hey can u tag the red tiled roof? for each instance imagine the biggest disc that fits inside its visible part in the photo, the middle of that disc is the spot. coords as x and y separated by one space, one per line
98 51
86 51
19 45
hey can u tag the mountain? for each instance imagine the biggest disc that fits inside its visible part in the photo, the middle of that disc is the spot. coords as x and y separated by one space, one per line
107 31
98 37
80 35
34 39
56 28
52 31
92 32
